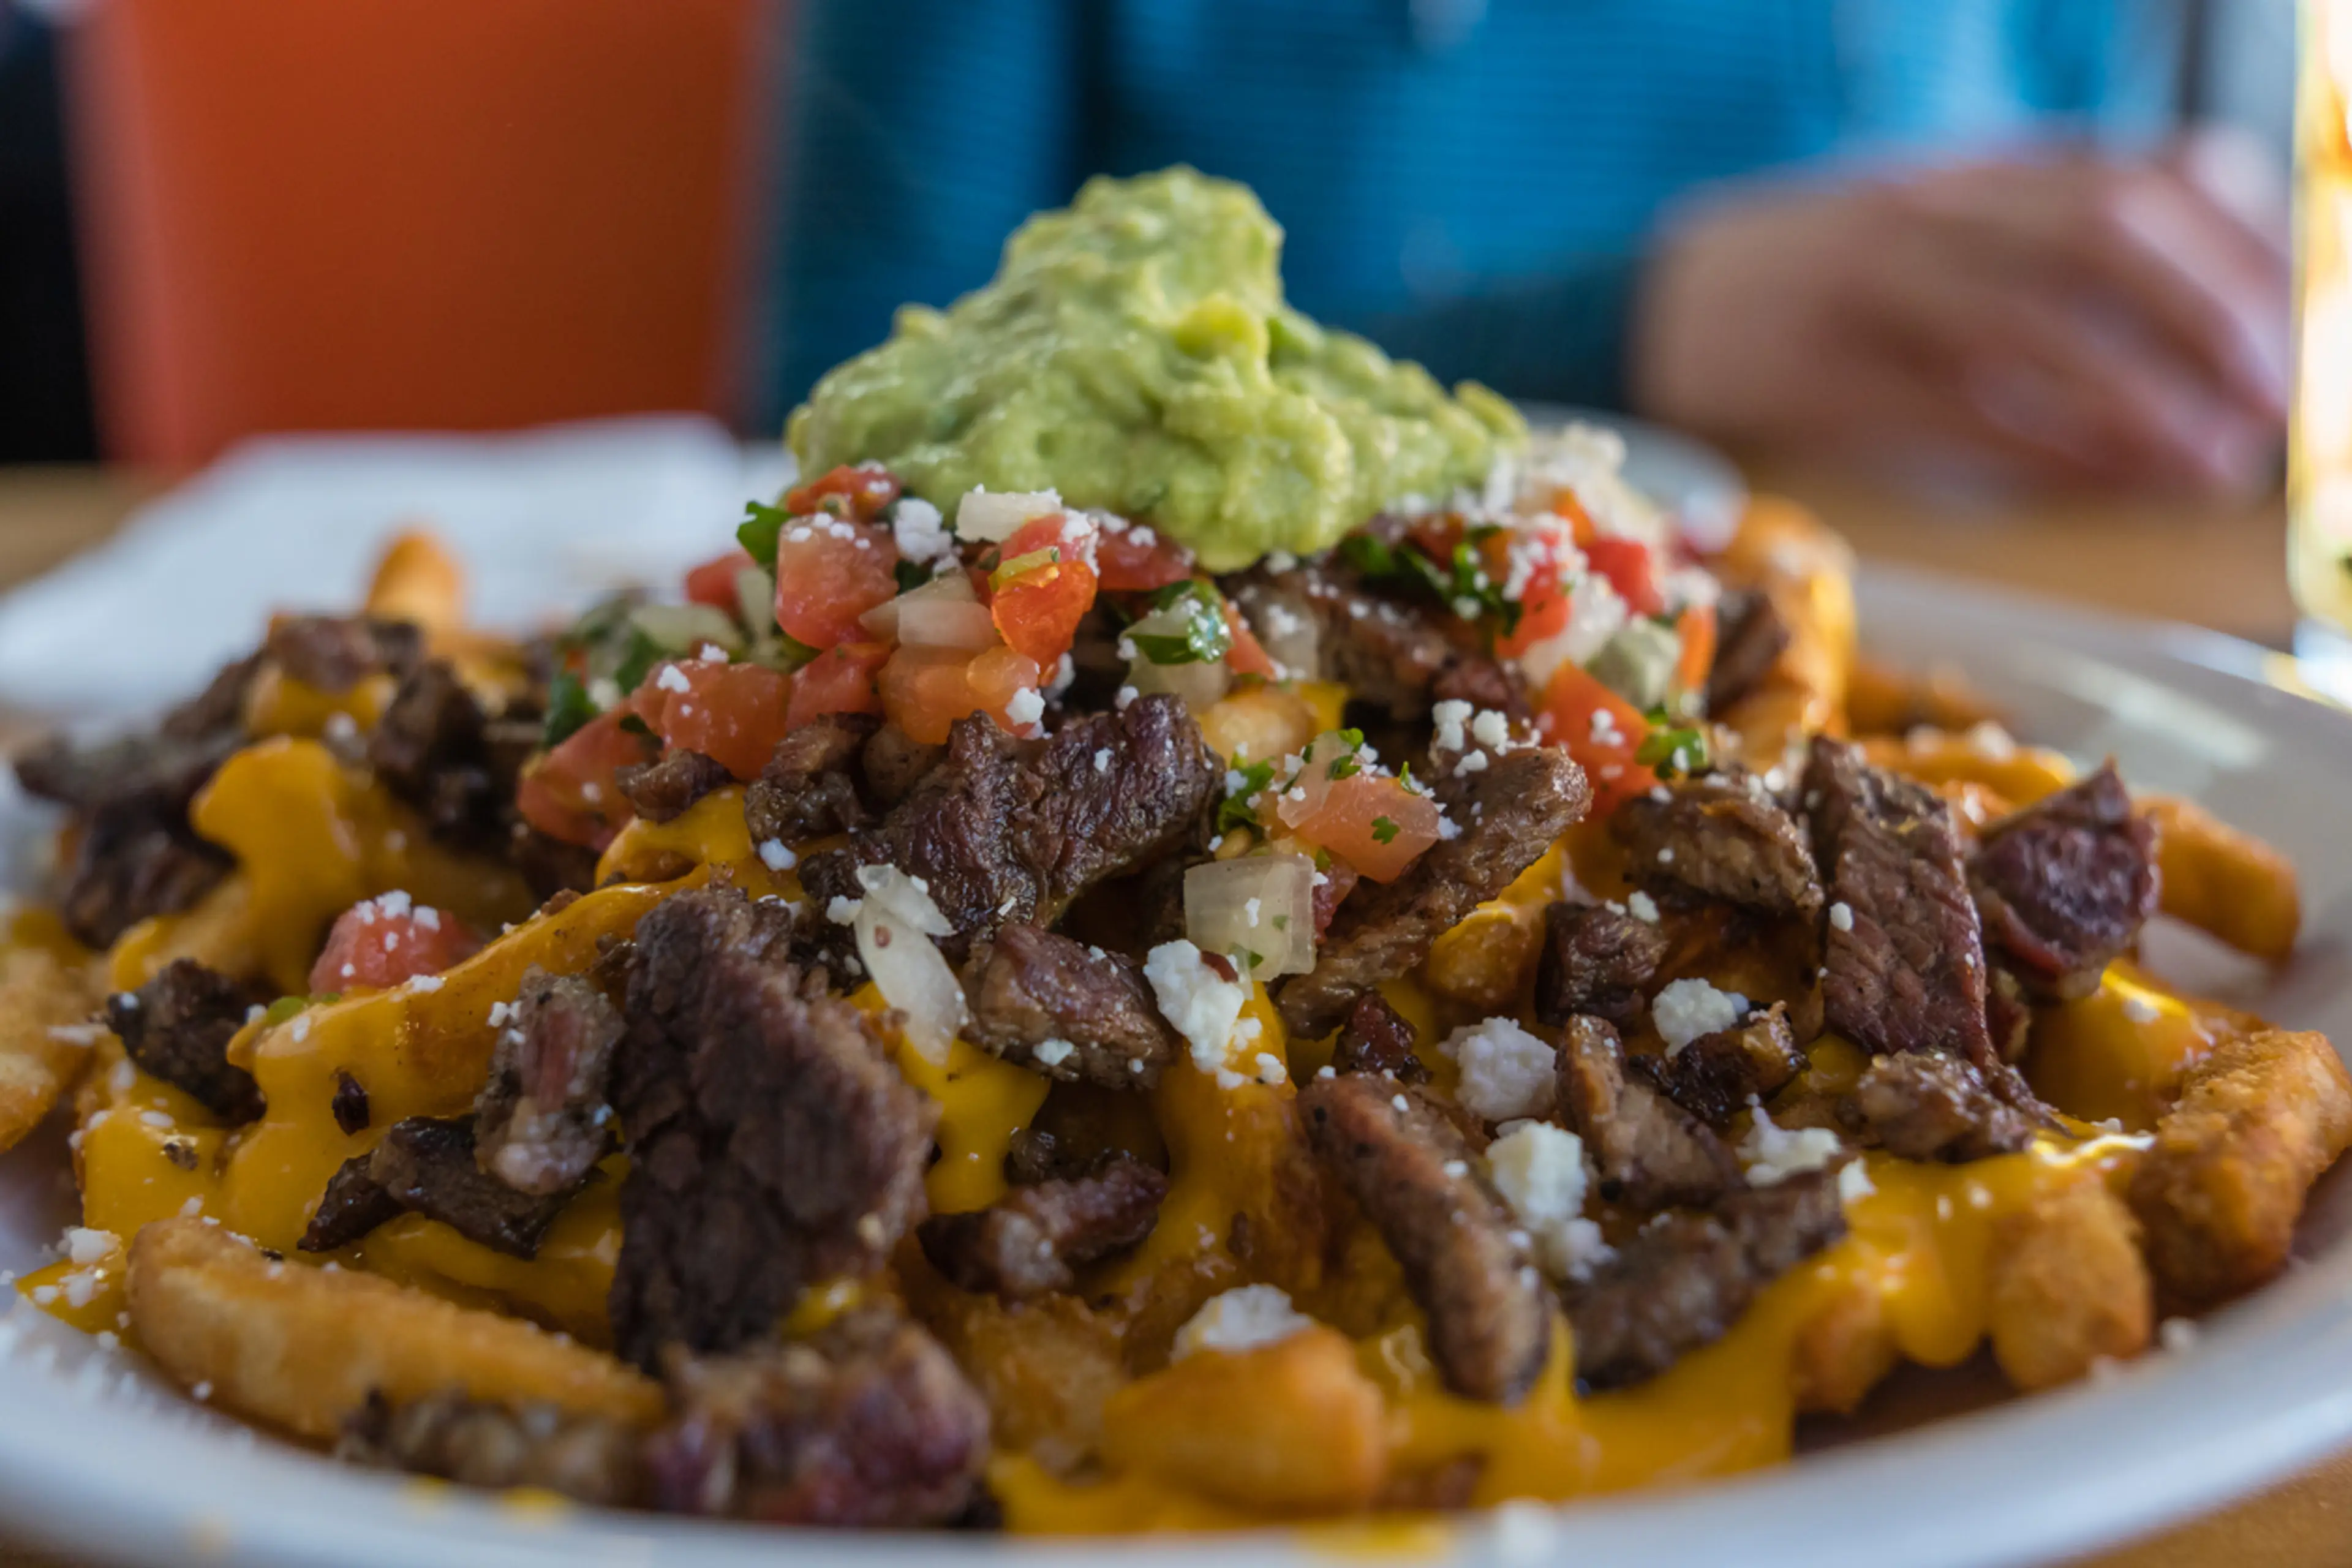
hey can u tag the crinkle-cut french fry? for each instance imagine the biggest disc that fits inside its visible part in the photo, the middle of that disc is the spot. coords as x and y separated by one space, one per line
419 580
1807 571
1314 1440
300 1347
2225 882
2068 1285
46 1003
2220 1192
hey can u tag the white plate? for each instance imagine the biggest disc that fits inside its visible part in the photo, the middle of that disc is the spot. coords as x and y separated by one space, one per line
2268 1386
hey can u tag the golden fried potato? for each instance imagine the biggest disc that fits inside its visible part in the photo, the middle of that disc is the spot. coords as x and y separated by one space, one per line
2224 882
1485 962
1843 1353
1293 1427
1882 701
419 580
1046 1367
2219 1194
2016 775
301 1348
46 1003
2068 1286
1807 571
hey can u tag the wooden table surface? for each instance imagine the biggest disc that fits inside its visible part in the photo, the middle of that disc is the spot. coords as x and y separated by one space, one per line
2221 566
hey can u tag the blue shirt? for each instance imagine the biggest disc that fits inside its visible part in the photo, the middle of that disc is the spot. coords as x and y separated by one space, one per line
1470 183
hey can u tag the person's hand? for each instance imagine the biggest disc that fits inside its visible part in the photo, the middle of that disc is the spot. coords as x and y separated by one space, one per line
2074 316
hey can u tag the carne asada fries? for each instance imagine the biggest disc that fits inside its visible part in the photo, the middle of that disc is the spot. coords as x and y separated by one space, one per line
1115 967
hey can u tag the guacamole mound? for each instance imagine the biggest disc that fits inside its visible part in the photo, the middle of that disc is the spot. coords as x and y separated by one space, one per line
1135 353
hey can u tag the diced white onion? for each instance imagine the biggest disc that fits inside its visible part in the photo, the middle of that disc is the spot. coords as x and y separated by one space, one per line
1200 684
885 622
1259 903
895 923
996 516
682 628
1290 636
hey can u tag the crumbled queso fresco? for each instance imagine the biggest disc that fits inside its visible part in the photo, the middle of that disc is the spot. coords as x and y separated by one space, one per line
1202 1004
1773 1153
1538 1169
1685 1009
1506 1072
1241 1319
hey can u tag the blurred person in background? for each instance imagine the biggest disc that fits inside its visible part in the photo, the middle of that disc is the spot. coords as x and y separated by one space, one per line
45 408
2004 232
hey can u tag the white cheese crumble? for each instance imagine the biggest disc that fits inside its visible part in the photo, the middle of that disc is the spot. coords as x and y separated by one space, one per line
1685 1009
1239 1319
86 1246
1773 1153
1506 1072
776 855
1052 1053
1026 707
1200 1004
2140 1010
1854 1182
843 909
1452 719
1538 1169
1842 915
1642 907
672 679
919 533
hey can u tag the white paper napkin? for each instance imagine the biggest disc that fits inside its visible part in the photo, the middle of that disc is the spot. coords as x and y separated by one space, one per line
543 520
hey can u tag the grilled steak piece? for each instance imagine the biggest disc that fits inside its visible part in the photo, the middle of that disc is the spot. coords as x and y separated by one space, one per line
1509 814
1029 1242
425 1166
870 1424
809 787
772 1143
1377 1039
1065 1010
1388 653
335 653
1716 1076
1683 1281
133 852
1483 683
894 762
178 1026
1749 638
541 1119
1005 831
1720 836
1410 1169
1904 962
1650 1152
434 748
1938 1106
1598 962
487 1443
2065 884
666 790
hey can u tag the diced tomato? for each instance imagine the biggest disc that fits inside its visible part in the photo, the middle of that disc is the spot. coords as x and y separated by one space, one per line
839 680
1038 607
1247 656
925 689
734 714
859 492
379 942
1573 718
713 581
829 573
1626 564
1544 604
1374 823
569 794
1695 627
1127 564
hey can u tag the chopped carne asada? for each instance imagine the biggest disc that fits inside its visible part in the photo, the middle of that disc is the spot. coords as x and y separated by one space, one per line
1029 1242
1011 831
178 1026
542 1118
427 1166
666 790
1509 814
869 1424
809 787
1377 1039
1400 1157
1749 639
1068 1011
1724 837
1598 962
1716 1076
1682 1282
770 1142
1650 1152
335 653
1930 1106
2065 884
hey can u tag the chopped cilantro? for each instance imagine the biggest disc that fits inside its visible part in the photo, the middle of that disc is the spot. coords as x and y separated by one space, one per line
757 532
1008 570
1670 752
1235 810
284 1007
1205 637
1461 582
639 656
1282 923
568 706
1385 829
912 575
632 725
